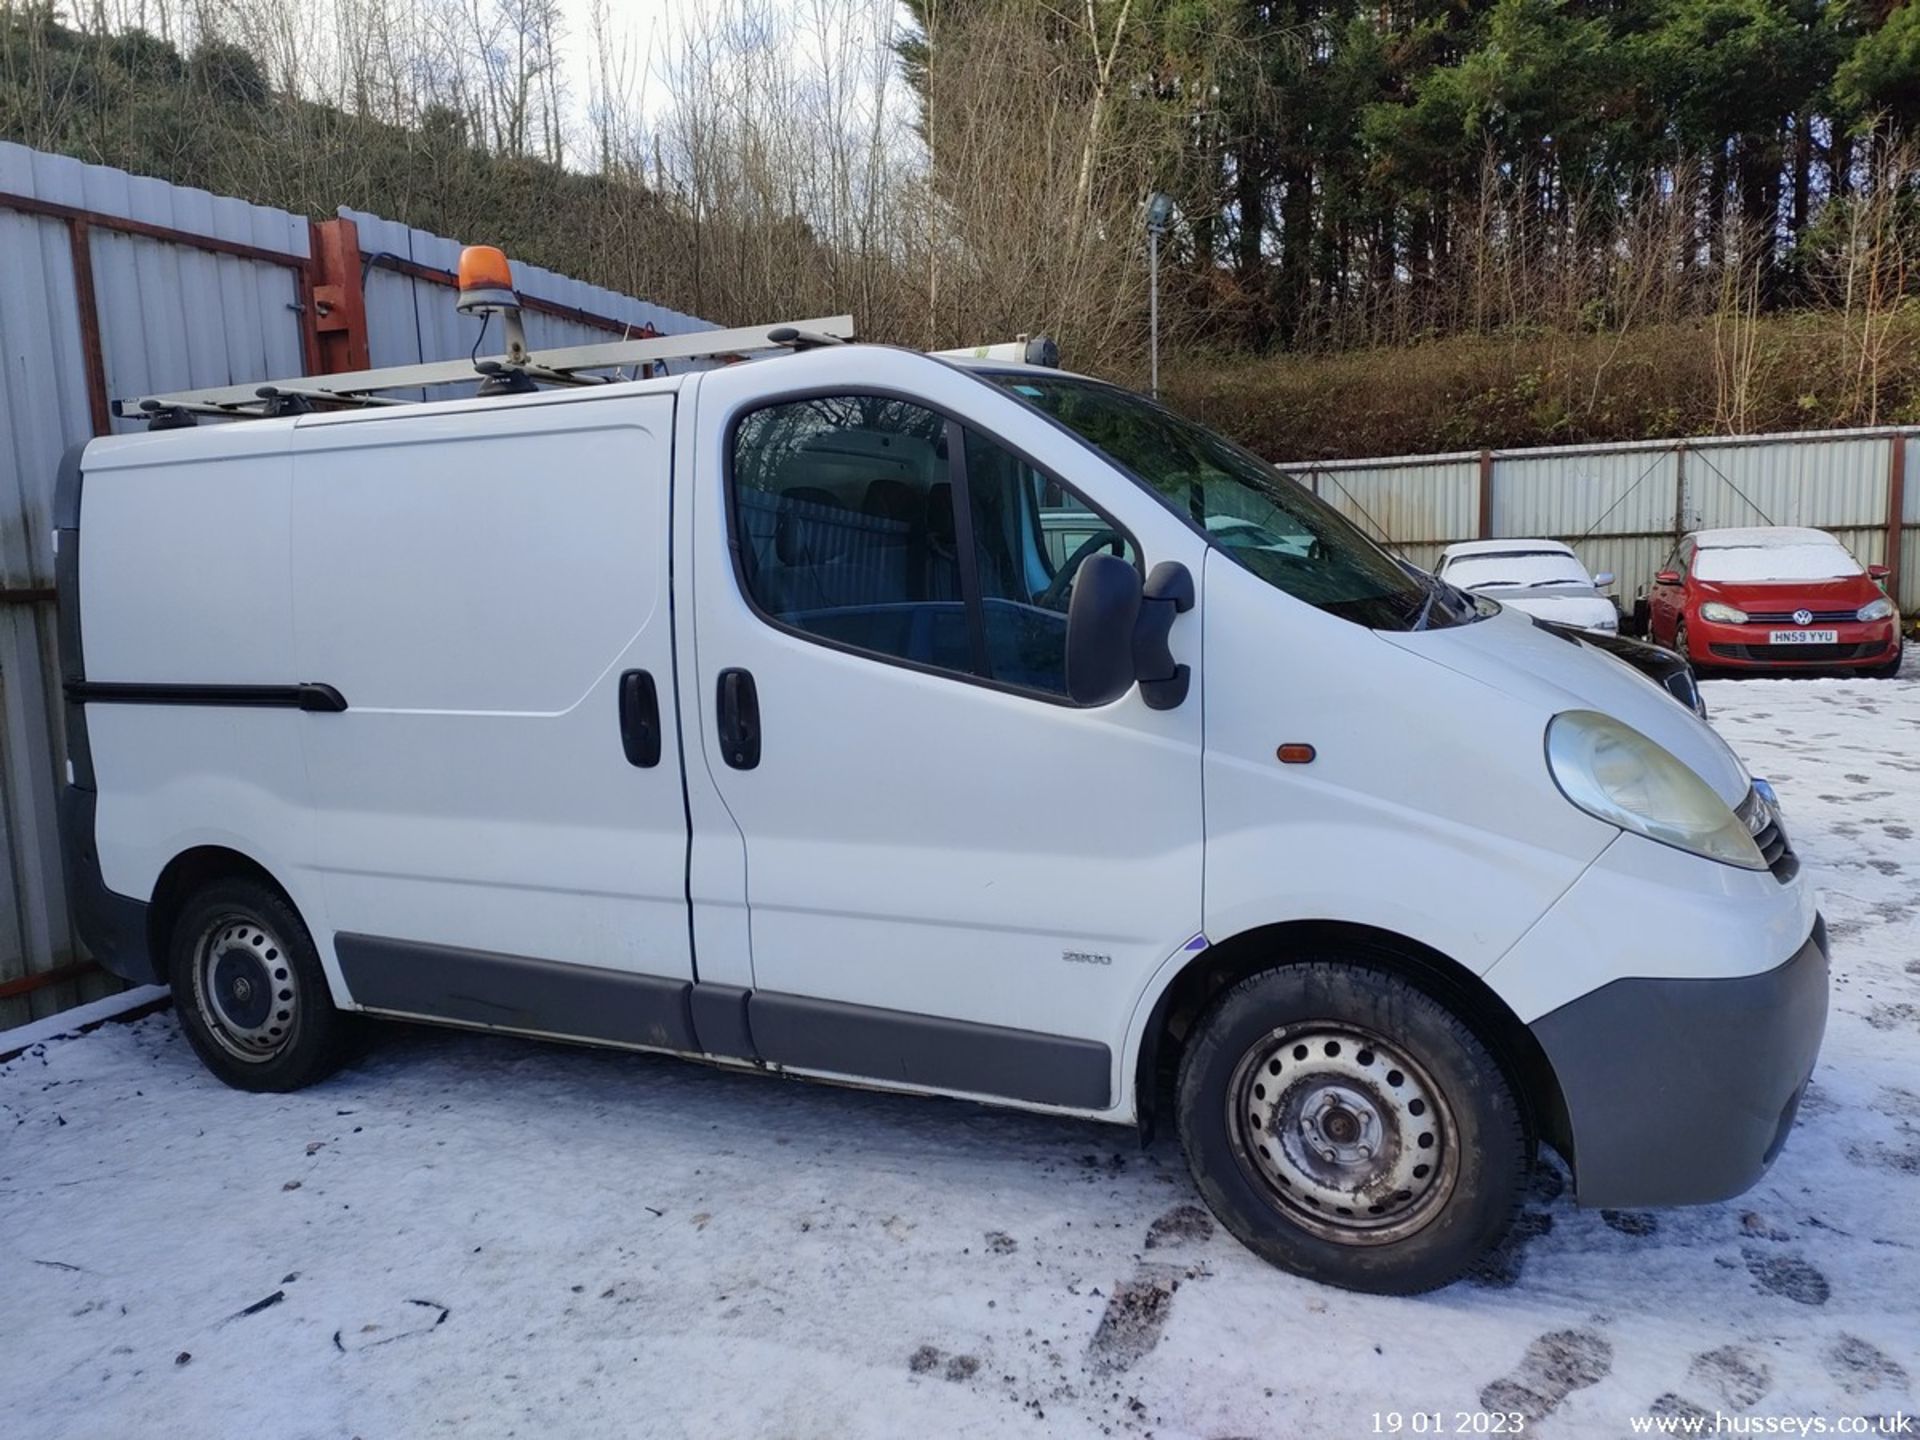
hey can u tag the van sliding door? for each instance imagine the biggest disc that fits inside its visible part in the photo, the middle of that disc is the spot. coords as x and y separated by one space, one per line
498 812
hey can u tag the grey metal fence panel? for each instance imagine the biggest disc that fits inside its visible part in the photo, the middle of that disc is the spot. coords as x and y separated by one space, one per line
170 313
1416 504
1615 507
43 405
1829 483
1570 495
175 318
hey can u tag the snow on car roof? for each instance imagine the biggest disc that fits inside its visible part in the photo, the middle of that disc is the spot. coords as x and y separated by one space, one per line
1764 537
1507 547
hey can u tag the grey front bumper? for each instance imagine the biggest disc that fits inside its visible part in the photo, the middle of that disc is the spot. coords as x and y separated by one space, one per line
1681 1092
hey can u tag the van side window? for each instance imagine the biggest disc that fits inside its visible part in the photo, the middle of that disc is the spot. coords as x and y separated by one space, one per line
844 521
1030 535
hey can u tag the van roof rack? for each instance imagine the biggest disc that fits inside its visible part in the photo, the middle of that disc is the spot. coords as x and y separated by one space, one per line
571 365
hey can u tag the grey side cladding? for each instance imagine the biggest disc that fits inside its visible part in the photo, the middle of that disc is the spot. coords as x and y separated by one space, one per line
898 1047
720 1021
112 926
516 992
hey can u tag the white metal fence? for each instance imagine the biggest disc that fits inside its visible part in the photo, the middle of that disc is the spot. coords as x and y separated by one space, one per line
114 285
1624 507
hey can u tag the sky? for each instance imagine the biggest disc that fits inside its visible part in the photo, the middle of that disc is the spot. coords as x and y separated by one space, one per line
640 27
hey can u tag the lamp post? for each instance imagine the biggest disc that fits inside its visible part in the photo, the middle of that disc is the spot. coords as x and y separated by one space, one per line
1159 214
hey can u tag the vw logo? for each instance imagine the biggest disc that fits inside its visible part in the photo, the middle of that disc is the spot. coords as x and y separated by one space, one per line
1803 617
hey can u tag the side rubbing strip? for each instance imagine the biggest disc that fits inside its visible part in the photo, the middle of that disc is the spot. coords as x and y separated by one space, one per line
515 992
322 699
720 1020
896 1047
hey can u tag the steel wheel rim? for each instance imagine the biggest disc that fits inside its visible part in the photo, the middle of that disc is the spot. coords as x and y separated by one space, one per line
244 990
1343 1132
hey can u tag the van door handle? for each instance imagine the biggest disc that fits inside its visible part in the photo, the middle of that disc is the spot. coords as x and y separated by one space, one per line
640 719
739 719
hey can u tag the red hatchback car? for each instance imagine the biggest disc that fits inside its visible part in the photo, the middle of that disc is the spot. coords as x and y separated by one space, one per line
1778 598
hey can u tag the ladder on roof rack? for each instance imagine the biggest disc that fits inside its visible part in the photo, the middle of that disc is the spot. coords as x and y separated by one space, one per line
573 365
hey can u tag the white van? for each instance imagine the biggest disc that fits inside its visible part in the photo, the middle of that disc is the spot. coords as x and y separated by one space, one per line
747 715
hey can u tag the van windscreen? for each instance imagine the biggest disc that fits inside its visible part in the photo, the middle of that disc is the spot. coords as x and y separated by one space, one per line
1261 518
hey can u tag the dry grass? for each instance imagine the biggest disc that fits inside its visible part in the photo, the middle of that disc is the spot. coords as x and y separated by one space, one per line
1798 372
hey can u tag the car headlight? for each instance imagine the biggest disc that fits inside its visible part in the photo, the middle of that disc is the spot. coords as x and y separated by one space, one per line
1616 774
1725 614
1875 609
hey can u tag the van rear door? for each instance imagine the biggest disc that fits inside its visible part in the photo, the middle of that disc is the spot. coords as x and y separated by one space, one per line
498 815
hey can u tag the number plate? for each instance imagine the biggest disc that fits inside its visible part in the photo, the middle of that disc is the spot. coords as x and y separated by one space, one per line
1803 637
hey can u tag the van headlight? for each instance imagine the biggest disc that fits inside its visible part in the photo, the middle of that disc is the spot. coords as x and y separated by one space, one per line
1618 775
1723 613
1875 609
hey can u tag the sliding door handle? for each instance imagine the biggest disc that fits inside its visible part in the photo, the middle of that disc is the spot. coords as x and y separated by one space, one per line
640 719
738 713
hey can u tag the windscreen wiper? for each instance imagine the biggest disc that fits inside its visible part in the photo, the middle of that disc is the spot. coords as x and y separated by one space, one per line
1433 593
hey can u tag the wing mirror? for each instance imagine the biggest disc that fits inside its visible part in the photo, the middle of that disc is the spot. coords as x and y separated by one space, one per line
1603 579
1117 632
1879 572
1667 577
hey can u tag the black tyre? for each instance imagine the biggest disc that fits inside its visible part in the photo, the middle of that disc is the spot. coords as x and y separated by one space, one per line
249 989
1889 670
1347 1126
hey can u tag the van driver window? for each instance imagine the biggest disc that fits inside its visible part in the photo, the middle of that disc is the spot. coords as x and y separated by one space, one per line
844 521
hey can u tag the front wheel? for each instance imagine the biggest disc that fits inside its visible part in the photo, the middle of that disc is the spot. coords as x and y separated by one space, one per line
249 990
1347 1126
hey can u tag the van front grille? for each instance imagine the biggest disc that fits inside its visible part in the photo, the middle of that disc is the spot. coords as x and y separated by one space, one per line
1763 823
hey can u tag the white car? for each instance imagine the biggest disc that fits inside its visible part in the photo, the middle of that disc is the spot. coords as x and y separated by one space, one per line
1540 577
792 747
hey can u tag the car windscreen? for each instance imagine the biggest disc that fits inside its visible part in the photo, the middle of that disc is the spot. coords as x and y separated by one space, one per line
1262 519
1760 563
1518 570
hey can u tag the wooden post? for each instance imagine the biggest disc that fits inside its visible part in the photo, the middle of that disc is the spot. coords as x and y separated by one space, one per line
336 303
79 236
1486 494
1896 506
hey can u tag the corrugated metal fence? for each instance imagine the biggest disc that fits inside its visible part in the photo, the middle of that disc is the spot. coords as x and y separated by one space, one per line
114 285
1624 507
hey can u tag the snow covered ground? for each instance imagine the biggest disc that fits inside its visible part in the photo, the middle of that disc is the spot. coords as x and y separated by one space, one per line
478 1236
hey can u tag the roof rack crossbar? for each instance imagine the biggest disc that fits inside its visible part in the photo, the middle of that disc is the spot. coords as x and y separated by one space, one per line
569 365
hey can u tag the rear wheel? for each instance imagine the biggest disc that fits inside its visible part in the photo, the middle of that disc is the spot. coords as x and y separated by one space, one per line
249 989
1347 1126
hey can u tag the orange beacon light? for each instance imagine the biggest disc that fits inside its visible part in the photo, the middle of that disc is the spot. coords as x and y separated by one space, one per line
486 281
